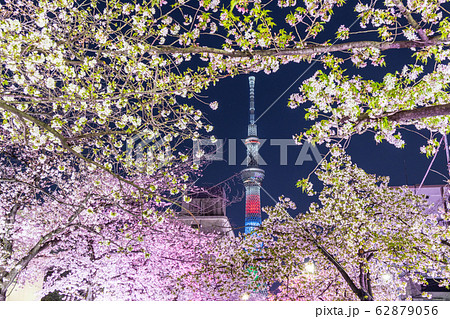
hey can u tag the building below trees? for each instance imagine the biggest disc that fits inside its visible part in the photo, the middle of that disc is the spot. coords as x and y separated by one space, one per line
437 195
207 212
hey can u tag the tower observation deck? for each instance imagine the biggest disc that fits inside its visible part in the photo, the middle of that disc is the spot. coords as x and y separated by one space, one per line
252 175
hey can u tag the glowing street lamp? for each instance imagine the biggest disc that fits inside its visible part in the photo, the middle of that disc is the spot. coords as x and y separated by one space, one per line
386 277
245 297
310 268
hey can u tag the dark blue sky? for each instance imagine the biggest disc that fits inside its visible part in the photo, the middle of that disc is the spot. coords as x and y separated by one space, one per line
404 166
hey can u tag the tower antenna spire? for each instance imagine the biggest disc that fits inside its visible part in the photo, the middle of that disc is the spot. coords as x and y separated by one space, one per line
252 130
251 82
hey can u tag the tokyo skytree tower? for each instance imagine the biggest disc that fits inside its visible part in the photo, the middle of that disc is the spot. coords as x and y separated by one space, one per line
252 176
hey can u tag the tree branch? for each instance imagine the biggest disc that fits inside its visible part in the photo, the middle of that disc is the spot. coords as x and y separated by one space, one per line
65 145
407 14
423 112
409 115
306 51
99 134
445 242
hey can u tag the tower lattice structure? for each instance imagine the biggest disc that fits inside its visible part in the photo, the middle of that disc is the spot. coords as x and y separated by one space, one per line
252 175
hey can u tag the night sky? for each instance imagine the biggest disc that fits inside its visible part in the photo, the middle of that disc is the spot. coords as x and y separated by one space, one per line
404 166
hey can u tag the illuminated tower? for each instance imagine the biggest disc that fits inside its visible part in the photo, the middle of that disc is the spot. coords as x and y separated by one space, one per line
252 176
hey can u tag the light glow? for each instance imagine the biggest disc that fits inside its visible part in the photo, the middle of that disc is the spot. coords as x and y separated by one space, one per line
310 268
386 277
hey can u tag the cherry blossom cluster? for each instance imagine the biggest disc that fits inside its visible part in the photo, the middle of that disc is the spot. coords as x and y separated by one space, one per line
362 240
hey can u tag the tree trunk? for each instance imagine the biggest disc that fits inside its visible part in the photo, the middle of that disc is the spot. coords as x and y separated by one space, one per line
360 292
364 296
3 294
89 294
364 277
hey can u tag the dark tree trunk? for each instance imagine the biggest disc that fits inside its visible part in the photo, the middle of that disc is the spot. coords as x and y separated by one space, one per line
365 293
3 294
360 292
364 296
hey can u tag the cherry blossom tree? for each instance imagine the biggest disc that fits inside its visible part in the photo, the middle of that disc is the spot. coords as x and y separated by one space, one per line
415 94
52 212
131 258
84 104
80 80
363 240
33 214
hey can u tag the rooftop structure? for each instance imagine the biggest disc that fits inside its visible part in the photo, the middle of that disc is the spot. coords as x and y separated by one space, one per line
208 209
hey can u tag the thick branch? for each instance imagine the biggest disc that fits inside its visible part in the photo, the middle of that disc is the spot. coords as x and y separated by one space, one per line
419 113
43 243
306 51
409 115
